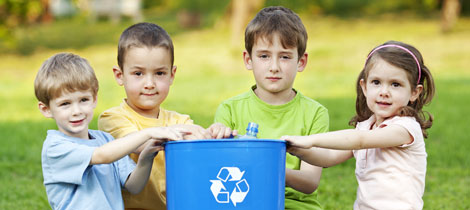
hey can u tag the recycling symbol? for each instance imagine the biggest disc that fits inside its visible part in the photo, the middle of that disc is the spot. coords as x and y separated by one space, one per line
240 189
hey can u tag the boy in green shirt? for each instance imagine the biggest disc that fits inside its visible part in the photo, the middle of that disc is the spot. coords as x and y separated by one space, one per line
275 43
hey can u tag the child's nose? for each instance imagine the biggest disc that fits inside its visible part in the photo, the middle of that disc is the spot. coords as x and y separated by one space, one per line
76 109
274 65
384 91
149 82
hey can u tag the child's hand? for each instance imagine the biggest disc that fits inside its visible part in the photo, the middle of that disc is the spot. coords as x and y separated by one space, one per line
297 151
219 131
150 150
296 141
194 131
163 134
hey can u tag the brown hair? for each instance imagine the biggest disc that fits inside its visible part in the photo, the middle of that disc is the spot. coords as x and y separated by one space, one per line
279 20
64 72
143 35
401 59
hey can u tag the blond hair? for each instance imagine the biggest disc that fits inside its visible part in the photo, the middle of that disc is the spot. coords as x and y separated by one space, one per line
64 72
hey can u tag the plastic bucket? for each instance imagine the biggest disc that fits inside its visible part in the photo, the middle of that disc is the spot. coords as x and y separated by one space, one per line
225 174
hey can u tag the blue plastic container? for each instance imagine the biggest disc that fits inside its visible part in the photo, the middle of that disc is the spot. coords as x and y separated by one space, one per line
225 174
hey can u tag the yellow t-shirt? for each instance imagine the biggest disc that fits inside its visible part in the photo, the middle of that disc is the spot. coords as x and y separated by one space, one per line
122 120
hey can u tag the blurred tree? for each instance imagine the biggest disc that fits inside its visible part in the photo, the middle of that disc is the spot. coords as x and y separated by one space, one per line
14 13
242 11
450 14
190 13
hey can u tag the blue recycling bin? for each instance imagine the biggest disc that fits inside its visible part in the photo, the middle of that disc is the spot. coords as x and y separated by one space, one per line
225 174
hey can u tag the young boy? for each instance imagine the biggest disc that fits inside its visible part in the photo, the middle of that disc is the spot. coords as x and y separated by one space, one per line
146 70
82 168
275 42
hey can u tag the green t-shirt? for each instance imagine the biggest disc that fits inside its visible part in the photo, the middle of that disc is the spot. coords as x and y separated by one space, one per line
300 116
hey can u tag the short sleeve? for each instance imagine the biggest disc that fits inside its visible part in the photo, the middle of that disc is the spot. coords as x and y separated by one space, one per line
125 166
411 125
116 125
66 162
321 122
223 115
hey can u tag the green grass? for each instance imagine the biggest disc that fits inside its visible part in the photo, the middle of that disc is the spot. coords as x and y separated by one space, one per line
209 72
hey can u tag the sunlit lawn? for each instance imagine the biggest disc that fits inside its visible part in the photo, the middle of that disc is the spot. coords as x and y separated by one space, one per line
209 71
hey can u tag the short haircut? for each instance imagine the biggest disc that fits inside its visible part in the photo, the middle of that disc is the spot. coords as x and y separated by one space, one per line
143 35
281 20
64 72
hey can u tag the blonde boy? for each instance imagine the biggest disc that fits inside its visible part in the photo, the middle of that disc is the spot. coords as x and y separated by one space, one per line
275 42
82 168
146 70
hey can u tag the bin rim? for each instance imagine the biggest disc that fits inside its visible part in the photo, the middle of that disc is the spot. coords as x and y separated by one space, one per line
225 140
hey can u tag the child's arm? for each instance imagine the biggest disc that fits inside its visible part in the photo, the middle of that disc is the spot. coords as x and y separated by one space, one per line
139 177
304 180
121 147
321 157
219 130
389 136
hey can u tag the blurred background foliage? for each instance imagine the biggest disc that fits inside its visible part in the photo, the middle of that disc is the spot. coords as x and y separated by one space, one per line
20 19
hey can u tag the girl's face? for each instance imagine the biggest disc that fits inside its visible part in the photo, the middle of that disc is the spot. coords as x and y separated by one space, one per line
387 89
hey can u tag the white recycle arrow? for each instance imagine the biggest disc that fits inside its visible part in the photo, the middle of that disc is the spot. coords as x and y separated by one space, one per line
216 187
238 195
234 173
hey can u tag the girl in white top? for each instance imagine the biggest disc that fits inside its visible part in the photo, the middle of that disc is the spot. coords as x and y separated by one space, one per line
388 142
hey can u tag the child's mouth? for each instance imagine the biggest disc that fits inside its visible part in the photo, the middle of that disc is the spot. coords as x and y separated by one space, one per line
383 104
149 94
273 79
77 122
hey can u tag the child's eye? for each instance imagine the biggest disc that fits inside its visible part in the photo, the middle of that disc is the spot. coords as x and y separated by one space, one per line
285 57
138 73
396 84
85 99
161 73
64 104
375 82
263 56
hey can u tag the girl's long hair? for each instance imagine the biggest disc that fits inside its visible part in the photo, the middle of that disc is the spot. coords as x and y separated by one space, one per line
401 59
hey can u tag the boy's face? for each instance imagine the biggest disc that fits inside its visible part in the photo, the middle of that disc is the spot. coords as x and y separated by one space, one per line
72 112
146 77
274 67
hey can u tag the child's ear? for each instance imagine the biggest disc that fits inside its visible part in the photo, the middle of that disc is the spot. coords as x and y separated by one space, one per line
415 93
247 60
173 72
363 86
302 62
95 101
44 109
118 75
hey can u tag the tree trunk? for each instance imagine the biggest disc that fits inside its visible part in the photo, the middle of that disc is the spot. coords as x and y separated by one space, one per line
450 14
242 12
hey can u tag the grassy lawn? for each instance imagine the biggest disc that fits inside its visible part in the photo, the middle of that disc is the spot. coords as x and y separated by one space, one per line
209 72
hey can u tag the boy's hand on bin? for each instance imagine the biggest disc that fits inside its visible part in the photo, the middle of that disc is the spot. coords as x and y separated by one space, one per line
150 150
162 134
194 131
219 131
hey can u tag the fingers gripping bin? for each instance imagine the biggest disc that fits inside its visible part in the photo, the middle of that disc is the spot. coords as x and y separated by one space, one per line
225 174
